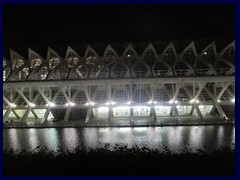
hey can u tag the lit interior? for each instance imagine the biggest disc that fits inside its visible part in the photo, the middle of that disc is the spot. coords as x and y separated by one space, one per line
40 114
141 111
184 110
101 112
205 109
20 112
163 110
121 112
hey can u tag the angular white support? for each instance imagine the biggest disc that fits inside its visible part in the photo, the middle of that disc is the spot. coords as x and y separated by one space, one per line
88 116
199 114
201 86
5 117
43 95
45 117
153 114
25 116
110 115
220 110
175 111
66 117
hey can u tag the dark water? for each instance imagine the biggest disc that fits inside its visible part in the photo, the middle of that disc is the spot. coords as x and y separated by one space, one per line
176 139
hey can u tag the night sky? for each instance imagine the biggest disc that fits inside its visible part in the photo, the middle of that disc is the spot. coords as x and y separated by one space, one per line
43 25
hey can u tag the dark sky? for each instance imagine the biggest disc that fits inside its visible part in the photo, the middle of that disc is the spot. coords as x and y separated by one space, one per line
43 25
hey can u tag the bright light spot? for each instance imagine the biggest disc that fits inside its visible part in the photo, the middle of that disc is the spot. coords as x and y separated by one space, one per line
154 102
113 103
176 102
233 100
201 106
218 100
72 104
128 55
66 104
192 101
87 104
150 102
197 101
51 104
32 105
107 103
171 101
205 53
129 102
92 103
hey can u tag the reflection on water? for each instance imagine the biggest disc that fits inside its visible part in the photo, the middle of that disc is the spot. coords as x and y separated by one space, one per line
175 139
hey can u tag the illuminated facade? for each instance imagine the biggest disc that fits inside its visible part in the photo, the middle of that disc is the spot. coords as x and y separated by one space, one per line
120 86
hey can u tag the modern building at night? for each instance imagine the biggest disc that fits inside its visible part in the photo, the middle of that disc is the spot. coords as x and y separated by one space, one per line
124 84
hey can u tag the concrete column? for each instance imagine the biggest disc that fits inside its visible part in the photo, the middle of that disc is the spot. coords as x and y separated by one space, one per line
88 116
198 111
7 113
175 111
192 110
110 115
66 117
153 114
44 119
220 110
131 115
25 116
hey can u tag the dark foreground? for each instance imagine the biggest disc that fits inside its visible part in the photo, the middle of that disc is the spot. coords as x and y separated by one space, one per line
119 161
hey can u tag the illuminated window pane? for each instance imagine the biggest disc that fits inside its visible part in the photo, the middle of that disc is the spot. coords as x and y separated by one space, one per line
17 63
12 116
101 112
184 110
39 112
162 110
205 109
50 117
20 112
35 63
141 111
121 112
53 63
30 115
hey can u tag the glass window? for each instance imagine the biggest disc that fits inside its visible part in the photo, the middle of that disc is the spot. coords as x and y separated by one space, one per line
163 110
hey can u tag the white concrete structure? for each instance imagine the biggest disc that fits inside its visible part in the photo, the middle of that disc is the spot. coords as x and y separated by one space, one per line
117 88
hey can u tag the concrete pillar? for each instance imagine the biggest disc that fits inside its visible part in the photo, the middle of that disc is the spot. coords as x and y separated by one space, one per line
7 113
131 115
88 116
66 117
110 115
25 116
220 110
175 112
44 119
153 114
198 111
